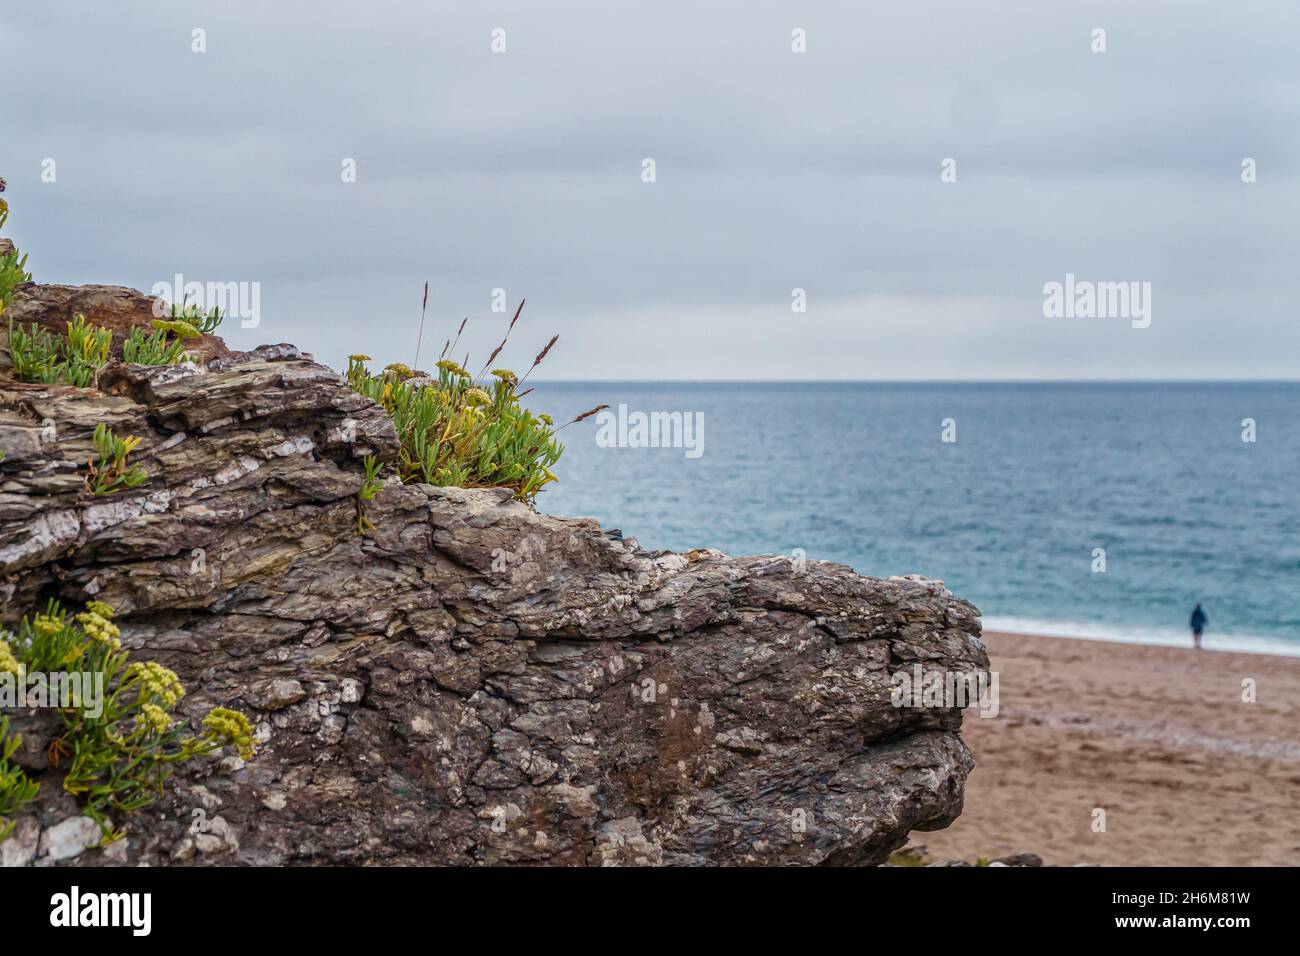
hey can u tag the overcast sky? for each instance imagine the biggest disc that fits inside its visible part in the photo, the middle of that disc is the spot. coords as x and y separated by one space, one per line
775 170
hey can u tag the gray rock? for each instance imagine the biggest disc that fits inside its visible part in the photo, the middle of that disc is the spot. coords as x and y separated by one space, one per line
275 694
69 839
20 848
36 730
592 704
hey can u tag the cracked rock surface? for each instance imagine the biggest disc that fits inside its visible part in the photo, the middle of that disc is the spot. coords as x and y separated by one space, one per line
470 682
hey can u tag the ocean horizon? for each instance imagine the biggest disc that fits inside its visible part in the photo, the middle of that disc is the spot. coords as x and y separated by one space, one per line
1093 509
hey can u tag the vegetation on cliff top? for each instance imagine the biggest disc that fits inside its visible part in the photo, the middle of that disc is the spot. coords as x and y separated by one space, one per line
468 431
39 355
455 429
455 432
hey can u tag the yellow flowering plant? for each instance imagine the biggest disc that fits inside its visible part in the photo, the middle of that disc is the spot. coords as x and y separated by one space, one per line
8 663
16 790
463 430
118 757
457 433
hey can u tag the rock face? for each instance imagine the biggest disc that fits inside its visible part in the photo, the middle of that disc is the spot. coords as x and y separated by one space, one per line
470 682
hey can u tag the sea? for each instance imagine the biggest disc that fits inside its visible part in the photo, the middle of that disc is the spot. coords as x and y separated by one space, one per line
1094 510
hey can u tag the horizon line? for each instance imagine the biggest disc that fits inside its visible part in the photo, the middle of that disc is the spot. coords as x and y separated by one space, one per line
916 381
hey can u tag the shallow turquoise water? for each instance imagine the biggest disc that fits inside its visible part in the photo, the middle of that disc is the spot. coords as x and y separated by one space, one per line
1008 515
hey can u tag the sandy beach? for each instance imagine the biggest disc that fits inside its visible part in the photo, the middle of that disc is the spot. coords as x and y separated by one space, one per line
1158 737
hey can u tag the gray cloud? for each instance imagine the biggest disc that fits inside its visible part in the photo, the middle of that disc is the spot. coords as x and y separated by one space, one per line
775 171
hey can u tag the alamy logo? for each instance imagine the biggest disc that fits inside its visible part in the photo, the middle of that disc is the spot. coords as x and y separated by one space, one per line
652 430
21 689
945 689
1085 299
103 909
243 300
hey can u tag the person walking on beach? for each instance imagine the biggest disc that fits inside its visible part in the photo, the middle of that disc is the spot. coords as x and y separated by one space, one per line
1198 625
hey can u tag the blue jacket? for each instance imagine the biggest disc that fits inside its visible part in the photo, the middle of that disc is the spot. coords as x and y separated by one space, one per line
1198 619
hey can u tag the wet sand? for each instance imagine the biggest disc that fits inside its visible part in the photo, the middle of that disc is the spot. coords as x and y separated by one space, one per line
1158 737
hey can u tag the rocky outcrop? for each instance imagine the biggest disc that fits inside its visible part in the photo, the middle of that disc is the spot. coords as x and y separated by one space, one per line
470 682
112 307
